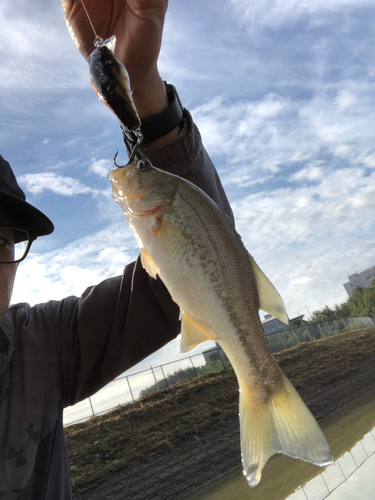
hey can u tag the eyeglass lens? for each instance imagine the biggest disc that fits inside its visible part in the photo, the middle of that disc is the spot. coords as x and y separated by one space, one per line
14 244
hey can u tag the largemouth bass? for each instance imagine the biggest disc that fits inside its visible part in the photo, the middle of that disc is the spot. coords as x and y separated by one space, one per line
194 248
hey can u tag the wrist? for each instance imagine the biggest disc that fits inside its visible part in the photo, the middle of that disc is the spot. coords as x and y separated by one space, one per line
149 95
163 126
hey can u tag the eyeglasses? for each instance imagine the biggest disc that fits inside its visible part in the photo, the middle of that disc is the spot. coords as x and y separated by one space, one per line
14 244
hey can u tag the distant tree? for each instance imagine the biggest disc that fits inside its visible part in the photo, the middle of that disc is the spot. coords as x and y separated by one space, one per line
369 301
326 314
342 311
360 304
355 303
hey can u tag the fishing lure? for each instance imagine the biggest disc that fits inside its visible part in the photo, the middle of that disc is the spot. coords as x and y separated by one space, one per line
111 82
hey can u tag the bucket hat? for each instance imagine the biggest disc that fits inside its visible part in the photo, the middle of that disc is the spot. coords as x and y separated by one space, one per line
13 203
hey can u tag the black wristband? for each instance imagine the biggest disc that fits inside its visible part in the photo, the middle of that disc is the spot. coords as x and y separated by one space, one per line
155 126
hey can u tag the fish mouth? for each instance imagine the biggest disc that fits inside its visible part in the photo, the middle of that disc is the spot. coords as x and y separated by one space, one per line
155 211
135 205
134 199
127 193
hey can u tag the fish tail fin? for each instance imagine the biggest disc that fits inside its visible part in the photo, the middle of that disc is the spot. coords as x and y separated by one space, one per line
283 424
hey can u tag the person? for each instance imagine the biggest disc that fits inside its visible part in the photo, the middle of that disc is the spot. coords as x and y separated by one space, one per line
55 354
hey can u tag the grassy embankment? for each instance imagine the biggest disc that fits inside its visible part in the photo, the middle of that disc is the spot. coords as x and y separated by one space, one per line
164 420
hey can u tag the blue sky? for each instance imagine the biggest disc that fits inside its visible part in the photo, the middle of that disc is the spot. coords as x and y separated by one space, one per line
284 95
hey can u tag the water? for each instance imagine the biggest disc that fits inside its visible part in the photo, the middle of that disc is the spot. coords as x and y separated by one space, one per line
351 434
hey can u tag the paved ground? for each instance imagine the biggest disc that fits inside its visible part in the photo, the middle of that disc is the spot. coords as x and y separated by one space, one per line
179 474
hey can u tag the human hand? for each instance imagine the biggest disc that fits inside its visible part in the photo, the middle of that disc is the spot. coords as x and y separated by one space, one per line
138 26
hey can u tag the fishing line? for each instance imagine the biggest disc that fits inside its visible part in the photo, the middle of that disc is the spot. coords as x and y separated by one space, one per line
88 17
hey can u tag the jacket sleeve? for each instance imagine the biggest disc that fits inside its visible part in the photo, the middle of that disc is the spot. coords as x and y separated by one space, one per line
122 320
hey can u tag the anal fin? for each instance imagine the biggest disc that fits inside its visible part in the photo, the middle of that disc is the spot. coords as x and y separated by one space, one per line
269 298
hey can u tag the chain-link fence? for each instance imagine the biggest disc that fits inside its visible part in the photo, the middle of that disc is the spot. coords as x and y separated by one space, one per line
286 339
128 388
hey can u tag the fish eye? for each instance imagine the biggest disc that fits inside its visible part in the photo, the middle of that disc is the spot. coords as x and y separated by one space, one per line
142 165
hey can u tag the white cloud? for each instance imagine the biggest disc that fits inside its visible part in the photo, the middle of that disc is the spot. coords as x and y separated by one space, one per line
248 134
82 263
300 281
39 49
345 99
238 121
275 13
49 181
368 160
101 167
310 173
342 150
306 239
260 140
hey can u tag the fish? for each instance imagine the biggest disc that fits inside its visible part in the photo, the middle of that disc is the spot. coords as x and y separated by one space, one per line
111 82
193 246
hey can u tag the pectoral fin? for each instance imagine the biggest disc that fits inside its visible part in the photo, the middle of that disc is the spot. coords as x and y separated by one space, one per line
269 297
192 334
149 264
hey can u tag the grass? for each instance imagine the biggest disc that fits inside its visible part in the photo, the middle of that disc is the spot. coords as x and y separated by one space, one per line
326 360
162 421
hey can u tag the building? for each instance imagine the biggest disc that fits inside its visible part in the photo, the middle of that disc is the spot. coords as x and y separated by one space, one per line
272 324
363 279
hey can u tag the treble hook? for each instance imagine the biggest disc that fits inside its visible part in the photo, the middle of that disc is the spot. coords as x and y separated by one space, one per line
139 135
114 161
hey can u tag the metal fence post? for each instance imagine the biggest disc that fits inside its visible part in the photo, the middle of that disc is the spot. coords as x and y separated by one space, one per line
92 408
165 380
282 341
295 335
130 389
345 327
307 329
156 382
329 326
192 364
321 331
